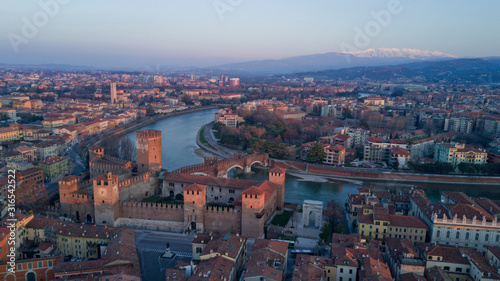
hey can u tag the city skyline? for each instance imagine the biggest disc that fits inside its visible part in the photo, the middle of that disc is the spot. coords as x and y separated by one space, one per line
202 34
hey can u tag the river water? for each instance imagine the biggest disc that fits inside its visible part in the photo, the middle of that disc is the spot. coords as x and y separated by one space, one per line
179 149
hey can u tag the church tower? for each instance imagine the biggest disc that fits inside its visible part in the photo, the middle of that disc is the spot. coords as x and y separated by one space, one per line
148 151
113 91
106 198
277 176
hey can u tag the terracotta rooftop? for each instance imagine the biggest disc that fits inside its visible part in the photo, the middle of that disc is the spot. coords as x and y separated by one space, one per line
278 170
407 221
195 187
227 245
374 270
210 181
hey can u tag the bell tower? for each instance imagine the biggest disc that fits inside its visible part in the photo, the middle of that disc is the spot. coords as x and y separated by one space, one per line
148 151
106 198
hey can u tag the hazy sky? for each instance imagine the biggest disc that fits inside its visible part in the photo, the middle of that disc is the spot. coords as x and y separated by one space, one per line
131 33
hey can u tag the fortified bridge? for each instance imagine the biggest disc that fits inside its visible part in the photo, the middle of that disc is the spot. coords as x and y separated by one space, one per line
212 166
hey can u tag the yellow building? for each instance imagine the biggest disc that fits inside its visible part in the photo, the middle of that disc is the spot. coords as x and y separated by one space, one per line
70 238
375 222
458 153
9 134
55 167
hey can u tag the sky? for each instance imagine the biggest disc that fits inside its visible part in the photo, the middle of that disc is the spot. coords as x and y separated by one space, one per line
151 33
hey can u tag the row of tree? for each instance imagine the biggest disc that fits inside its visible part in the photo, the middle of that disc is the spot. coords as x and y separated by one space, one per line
463 168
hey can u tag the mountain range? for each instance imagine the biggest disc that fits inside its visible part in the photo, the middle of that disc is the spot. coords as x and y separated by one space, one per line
478 71
333 60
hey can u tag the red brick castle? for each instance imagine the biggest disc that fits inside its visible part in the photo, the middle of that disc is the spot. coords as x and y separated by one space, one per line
211 202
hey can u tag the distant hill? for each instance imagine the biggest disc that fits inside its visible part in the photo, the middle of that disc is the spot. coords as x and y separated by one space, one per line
455 70
370 57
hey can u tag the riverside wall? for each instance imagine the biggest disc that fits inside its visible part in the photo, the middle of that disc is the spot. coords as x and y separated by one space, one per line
388 176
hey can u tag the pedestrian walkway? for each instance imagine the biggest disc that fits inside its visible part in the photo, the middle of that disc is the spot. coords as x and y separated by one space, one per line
177 253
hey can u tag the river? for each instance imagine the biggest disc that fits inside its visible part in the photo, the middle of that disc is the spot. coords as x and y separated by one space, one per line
179 149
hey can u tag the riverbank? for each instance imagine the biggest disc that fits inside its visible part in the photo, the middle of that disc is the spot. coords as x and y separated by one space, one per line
136 126
211 145
304 169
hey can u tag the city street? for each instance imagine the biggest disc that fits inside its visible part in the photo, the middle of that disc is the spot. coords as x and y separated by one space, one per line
209 136
151 245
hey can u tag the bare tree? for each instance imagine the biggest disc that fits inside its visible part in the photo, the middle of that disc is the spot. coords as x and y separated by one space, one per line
111 146
127 149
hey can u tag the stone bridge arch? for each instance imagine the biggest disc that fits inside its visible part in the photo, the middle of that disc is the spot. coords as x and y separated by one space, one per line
219 168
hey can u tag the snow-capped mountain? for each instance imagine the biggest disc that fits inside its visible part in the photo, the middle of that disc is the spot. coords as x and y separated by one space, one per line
400 53
334 60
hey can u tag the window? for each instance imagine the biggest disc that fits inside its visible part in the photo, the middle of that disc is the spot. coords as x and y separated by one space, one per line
350 271
467 236
19 267
457 236
40 264
341 270
446 268
498 238
477 236
30 265
447 234
50 263
438 233
198 250
459 269
486 237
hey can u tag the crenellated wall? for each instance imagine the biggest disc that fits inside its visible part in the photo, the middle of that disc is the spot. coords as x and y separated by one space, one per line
222 220
138 187
152 211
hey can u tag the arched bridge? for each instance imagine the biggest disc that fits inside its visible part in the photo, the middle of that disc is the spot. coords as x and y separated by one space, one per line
212 166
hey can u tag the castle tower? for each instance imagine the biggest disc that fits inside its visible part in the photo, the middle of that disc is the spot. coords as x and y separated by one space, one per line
67 185
106 198
96 151
253 212
277 176
148 151
195 198
113 91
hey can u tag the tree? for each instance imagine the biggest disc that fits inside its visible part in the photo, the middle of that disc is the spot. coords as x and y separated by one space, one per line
364 124
316 154
326 233
150 111
187 100
339 228
333 211
127 149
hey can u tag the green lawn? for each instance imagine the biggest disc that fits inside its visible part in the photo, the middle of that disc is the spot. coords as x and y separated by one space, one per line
282 219
202 136
156 199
